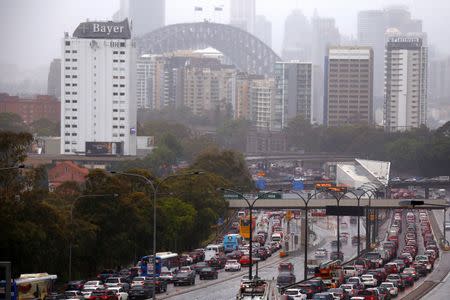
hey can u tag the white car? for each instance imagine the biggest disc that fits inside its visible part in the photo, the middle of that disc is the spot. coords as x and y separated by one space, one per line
73 295
115 282
87 291
369 280
120 293
295 294
350 271
93 284
232 265
390 286
321 252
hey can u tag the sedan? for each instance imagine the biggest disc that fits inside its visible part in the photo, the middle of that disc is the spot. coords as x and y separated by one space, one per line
232 265
296 294
208 273
369 280
391 287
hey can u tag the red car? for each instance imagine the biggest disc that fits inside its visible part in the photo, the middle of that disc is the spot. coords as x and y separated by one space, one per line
245 261
103 295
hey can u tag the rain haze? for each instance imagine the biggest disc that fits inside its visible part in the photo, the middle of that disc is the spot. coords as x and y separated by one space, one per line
31 31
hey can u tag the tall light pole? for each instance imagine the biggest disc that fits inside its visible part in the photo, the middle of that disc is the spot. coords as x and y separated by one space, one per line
155 188
72 206
250 207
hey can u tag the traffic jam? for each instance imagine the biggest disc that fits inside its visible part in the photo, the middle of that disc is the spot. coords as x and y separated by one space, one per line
230 254
407 254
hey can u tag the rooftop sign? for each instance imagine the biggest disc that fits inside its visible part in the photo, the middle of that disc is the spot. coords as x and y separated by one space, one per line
103 30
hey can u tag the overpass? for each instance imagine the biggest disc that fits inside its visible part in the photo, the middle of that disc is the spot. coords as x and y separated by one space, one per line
291 201
320 157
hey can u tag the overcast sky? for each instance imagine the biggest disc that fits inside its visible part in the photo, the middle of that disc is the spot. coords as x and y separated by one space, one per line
31 30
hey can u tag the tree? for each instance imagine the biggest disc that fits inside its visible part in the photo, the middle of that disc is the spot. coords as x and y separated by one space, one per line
45 127
12 122
233 134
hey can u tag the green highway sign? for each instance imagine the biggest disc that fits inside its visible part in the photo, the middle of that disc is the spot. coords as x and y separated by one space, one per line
269 196
232 196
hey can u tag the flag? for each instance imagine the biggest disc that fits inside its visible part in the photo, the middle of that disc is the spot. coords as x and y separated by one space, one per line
198 8
218 8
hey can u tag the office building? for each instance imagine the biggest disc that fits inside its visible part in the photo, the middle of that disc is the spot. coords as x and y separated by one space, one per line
439 80
242 15
317 95
54 79
144 71
349 86
98 115
293 92
263 30
297 37
406 63
144 15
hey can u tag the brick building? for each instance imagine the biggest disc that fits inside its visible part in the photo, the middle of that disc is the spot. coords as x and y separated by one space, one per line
33 108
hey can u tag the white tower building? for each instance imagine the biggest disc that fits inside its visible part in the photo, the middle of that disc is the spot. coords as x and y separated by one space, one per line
98 114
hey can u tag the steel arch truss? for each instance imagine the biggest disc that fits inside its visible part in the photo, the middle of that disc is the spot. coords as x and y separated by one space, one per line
246 51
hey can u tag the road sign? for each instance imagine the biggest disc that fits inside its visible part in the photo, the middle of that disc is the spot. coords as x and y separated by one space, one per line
232 196
286 238
344 211
269 196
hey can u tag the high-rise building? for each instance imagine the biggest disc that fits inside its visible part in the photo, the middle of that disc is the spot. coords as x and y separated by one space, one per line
145 69
439 80
144 15
98 114
263 30
349 86
406 63
297 37
372 25
242 96
54 79
293 92
262 95
242 15
324 34
317 98
371 29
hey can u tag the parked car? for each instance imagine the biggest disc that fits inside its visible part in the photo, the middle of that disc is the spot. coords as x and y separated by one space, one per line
208 273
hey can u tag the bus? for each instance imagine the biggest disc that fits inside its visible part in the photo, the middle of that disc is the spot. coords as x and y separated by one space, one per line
30 286
213 250
167 260
244 227
231 242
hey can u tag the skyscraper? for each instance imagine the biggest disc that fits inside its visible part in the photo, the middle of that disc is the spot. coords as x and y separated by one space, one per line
349 86
293 92
242 15
54 78
145 70
324 34
297 37
144 15
263 30
406 63
439 80
98 114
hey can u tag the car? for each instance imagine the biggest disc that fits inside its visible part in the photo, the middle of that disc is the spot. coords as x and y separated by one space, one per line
117 281
323 296
120 292
296 294
245 260
197 266
356 281
87 291
396 279
286 267
140 292
217 262
285 278
338 293
349 288
75 285
350 271
166 276
412 272
208 273
391 287
369 294
391 268
103 294
160 285
232 265
93 284
321 253
369 280
184 277
408 279
106 274
73 295
384 293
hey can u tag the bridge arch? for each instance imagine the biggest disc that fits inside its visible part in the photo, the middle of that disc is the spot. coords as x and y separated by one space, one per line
246 51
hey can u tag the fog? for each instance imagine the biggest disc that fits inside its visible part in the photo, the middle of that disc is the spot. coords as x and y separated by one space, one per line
31 31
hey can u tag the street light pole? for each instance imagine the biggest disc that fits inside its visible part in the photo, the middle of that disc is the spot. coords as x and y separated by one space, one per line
250 206
72 206
155 193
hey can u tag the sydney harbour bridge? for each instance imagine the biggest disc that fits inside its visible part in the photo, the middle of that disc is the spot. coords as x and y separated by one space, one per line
247 52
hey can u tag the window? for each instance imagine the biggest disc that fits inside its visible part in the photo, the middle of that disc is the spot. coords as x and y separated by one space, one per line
115 85
67 126
122 77
114 126
67 43
67 68
74 101
74 118
67 142
74 51
74 93
74 68
115 119
115 94
122 127
122 134
74 84
67 59
115 110
67 76
67 134
74 59
122 44
122 52
74 134
67 51
67 101
122 94
115 60
115 52
122 60
67 84
115 77
67 150
74 109
122 119
67 93
122 85
67 118
74 76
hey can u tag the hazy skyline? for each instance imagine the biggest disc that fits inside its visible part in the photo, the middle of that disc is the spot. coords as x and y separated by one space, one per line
32 30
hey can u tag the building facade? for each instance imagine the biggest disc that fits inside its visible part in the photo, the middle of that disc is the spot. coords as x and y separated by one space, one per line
262 96
98 90
32 109
293 92
297 37
242 15
406 73
349 86
145 70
